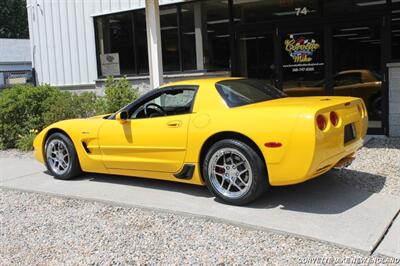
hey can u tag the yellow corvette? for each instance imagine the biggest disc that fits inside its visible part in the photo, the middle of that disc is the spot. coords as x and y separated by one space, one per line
237 136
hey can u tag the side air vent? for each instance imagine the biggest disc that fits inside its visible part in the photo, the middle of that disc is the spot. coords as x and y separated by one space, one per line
85 147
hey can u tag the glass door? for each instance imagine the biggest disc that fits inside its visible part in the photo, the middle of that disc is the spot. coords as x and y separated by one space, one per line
357 65
255 52
303 62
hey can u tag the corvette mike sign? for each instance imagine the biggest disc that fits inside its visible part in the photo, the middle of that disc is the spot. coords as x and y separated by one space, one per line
303 54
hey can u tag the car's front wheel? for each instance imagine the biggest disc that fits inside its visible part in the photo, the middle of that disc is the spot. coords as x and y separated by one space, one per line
60 157
234 172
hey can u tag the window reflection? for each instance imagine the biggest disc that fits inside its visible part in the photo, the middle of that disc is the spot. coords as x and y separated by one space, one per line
188 37
169 38
335 7
140 42
356 60
395 32
216 34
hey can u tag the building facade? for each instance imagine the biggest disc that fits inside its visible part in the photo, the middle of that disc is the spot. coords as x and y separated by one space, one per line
304 47
15 62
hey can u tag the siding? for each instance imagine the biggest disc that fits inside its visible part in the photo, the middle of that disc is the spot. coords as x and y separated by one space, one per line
63 40
14 50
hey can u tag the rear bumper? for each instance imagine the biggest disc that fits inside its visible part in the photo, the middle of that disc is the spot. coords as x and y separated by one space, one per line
313 152
339 160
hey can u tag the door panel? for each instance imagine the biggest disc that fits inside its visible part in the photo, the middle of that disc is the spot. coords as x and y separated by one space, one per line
149 144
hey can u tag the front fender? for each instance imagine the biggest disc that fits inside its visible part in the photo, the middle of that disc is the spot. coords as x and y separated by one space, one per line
83 134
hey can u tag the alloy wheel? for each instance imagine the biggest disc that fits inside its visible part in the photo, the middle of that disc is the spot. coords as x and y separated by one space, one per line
230 173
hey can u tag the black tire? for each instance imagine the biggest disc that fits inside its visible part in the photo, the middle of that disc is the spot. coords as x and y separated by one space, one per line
73 169
259 182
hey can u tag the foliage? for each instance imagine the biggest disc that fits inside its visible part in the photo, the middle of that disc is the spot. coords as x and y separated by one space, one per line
118 93
25 142
24 107
66 105
13 19
21 109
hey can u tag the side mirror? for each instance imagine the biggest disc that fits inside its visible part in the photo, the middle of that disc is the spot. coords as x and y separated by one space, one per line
122 117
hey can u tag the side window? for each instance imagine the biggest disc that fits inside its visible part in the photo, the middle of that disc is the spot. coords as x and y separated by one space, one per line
170 102
347 79
181 99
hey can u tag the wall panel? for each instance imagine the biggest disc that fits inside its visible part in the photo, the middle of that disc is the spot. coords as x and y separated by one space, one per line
63 39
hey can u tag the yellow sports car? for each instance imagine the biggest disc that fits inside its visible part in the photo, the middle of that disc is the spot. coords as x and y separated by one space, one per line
237 136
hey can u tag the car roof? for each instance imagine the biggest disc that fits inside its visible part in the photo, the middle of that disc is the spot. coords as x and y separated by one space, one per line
199 82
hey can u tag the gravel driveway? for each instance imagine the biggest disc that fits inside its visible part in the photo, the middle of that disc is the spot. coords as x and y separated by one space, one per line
376 167
42 229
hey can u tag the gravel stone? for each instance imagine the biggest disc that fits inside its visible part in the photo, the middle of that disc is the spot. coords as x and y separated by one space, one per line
39 229
376 167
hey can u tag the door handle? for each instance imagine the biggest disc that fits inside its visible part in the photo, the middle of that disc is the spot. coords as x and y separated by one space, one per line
175 123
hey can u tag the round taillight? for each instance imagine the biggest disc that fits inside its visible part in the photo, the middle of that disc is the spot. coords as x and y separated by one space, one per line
334 118
321 122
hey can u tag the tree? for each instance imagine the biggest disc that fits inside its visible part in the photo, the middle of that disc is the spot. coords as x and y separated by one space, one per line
13 19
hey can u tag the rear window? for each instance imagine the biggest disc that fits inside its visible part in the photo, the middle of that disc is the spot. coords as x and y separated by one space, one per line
240 92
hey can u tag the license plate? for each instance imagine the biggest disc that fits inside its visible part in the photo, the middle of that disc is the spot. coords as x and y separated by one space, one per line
349 132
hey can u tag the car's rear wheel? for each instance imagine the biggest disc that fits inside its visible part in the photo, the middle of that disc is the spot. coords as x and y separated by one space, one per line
61 158
234 172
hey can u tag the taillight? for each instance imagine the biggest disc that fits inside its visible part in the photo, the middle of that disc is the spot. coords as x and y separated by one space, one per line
321 122
334 118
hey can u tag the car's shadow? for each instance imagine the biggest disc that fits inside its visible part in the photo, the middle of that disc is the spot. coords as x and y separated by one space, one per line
331 193
334 192
198 191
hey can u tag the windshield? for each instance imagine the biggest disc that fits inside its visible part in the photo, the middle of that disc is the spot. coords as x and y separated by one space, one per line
240 92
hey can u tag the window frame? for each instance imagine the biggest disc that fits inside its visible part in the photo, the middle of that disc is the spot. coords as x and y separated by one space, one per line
181 69
130 108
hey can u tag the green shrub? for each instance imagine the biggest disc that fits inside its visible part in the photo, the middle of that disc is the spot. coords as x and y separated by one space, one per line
25 142
118 93
21 109
24 107
66 105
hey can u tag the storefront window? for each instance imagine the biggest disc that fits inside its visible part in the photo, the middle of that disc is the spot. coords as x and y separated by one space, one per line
115 44
303 63
357 66
246 11
169 38
255 52
395 32
188 37
337 7
140 42
216 34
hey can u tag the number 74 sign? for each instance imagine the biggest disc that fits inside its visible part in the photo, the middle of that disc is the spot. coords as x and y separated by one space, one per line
301 11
